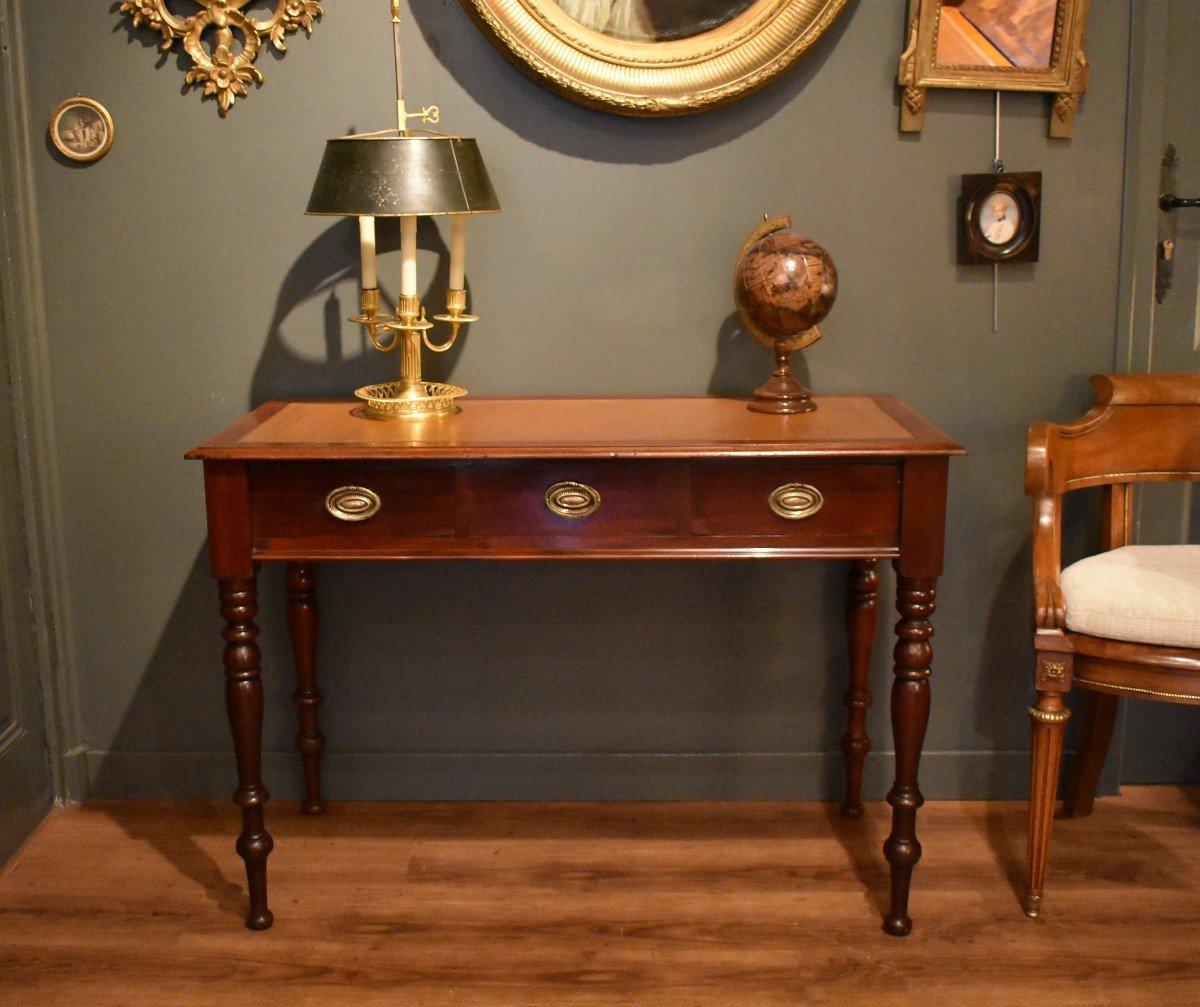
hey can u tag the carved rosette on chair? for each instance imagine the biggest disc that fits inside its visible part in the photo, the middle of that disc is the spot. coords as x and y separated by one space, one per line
784 283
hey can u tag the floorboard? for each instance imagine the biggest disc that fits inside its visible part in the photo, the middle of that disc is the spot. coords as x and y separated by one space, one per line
587 904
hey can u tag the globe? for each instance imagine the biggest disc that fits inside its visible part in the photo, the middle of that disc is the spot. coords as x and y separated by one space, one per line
784 283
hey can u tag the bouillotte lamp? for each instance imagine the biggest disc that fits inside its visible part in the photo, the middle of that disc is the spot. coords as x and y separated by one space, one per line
407 174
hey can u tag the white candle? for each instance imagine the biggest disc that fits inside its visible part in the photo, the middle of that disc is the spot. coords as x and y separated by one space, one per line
366 245
408 256
458 251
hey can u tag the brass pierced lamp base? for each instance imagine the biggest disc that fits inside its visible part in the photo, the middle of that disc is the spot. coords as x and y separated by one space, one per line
393 400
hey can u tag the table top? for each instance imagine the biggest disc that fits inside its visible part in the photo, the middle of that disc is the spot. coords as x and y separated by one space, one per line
616 427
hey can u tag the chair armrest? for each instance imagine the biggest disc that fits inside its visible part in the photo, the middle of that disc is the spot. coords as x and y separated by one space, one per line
1051 610
1049 605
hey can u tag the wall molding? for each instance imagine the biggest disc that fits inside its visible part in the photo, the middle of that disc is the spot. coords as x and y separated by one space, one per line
32 404
604 776
1144 137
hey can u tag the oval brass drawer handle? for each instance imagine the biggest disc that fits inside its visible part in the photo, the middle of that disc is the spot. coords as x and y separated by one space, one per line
573 500
353 503
795 501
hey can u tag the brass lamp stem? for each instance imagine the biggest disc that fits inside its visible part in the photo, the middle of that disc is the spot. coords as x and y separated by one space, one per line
429 113
401 110
410 348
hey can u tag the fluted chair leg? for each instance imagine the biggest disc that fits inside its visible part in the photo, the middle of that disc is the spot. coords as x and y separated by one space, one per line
1049 719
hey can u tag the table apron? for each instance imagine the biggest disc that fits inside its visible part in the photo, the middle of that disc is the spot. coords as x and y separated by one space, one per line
510 549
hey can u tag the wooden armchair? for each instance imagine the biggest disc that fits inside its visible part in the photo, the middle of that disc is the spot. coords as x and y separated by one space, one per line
1125 622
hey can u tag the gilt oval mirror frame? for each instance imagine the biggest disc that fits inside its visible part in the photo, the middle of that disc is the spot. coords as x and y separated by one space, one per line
653 57
995 45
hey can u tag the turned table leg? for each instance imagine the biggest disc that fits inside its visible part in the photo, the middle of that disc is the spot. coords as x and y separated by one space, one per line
862 592
302 625
244 701
915 598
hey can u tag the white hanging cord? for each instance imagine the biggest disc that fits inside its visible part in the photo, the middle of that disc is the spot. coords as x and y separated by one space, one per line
997 164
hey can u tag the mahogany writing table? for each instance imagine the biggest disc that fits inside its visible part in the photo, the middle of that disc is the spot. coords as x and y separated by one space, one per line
863 478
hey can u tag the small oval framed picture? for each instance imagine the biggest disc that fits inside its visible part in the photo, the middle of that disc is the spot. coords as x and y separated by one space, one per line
81 129
999 218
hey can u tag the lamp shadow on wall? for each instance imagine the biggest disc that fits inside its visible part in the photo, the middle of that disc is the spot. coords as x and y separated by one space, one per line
556 123
345 359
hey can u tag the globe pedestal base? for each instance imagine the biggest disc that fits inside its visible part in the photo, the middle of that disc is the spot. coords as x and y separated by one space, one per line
782 397
781 393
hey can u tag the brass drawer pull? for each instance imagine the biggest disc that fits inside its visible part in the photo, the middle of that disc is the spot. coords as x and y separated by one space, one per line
573 500
795 501
353 503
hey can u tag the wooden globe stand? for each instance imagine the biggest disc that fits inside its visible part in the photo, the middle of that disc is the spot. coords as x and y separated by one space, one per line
781 393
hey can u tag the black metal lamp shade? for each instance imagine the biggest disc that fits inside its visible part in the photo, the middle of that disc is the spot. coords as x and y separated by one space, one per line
395 176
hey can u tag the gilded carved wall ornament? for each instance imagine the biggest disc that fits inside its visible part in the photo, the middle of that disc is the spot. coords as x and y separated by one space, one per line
223 63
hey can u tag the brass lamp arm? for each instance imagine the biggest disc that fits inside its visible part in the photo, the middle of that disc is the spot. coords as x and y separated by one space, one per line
376 325
441 347
456 315
376 332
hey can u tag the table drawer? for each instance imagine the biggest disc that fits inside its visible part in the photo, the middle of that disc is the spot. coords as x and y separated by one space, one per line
856 503
586 499
357 500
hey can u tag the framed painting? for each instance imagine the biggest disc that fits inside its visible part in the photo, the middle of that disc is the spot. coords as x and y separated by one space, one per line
999 217
81 129
654 57
995 45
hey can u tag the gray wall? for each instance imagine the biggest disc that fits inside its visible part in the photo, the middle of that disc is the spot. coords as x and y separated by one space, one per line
184 285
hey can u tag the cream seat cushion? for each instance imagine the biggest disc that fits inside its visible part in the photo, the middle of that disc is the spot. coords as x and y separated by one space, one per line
1143 593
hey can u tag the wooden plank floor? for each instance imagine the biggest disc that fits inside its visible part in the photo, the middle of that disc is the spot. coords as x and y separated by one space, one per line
648 904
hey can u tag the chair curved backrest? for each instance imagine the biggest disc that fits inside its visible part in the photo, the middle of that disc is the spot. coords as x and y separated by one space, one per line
1142 428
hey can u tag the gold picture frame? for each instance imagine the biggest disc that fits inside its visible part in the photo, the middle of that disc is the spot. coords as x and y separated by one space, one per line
695 57
81 129
939 54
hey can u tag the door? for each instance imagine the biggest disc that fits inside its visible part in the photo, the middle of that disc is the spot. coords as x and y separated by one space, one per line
1162 740
1176 336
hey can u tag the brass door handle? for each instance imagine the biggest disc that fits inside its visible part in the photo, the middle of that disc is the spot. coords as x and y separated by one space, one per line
795 501
353 503
572 499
